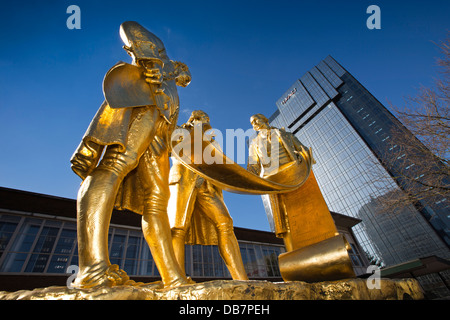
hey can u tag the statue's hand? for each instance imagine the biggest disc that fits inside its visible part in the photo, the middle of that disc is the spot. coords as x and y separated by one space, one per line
153 76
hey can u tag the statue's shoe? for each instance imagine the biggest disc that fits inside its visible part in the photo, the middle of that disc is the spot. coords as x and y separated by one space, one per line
96 276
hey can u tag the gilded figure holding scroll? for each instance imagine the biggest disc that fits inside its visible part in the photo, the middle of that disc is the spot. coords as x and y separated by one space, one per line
275 154
315 249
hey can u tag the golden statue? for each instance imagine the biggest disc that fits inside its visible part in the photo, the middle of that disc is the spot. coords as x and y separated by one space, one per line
123 160
197 212
133 129
275 153
315 250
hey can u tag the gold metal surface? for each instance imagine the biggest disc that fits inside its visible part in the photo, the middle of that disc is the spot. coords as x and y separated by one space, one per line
327 259
198 213
231 177
134 170
124 86
308 217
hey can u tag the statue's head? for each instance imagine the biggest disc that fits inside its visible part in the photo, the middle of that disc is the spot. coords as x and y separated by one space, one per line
146 49
141 44
259 122
200 116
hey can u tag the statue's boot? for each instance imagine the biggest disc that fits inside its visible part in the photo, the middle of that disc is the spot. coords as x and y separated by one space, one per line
230 252
96 276
157 234
95 205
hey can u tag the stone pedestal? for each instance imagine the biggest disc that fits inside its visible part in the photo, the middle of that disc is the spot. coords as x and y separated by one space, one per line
349 289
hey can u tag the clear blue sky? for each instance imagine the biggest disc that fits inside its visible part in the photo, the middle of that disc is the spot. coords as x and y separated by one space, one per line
243 56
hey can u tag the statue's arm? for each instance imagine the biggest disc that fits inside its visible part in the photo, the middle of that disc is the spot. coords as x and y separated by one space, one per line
253 164
299 147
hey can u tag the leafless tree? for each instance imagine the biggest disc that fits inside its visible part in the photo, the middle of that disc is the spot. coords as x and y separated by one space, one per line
419 162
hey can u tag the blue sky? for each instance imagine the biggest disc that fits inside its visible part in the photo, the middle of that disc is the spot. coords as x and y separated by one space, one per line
243 56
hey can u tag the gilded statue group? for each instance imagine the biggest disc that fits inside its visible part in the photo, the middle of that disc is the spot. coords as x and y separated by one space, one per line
124 162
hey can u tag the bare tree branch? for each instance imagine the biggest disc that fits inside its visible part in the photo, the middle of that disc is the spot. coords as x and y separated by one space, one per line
418 155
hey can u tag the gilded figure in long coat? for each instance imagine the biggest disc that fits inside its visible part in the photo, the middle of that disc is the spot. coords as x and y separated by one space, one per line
123 159
197 211
273 152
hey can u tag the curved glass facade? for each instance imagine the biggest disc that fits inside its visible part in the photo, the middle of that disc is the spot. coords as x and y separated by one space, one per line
347 129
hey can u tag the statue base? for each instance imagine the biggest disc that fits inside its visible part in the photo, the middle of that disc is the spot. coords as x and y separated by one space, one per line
347 289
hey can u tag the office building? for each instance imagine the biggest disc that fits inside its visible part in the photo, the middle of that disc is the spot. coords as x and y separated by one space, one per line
348 130
38 244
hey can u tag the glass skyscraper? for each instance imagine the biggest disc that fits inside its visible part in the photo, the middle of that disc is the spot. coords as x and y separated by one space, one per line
348 130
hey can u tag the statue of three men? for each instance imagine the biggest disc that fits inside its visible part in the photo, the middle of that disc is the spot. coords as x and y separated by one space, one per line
123 160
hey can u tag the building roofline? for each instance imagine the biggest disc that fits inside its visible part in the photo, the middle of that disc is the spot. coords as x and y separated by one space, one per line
33 202
343 220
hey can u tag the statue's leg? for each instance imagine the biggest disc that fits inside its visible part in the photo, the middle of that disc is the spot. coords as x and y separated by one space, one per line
178 241
282 212
96 199
95 204
154 174
180 207
212 204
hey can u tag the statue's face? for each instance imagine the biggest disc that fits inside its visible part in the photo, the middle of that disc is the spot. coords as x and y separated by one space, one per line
199 118
259 124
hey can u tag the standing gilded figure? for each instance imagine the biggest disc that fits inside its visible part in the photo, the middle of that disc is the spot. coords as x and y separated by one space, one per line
132 130
197 211
315 249
273 152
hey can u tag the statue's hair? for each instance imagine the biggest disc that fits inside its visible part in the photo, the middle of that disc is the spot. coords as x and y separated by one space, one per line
260 116
195 114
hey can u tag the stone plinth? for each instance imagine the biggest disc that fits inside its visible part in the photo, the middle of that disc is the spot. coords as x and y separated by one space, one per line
350 289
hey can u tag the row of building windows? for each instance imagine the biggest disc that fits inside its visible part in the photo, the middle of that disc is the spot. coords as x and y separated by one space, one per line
378 131
329 74
378 126
324 83
316 92
39 245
